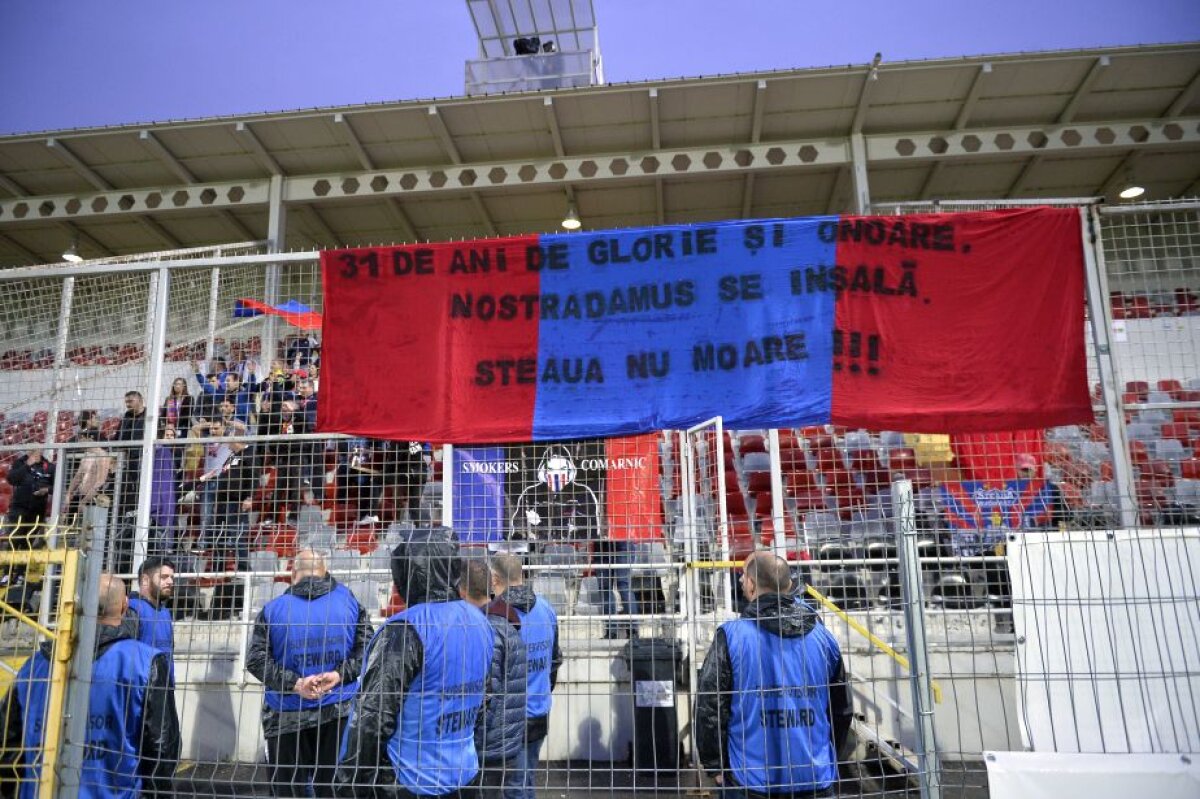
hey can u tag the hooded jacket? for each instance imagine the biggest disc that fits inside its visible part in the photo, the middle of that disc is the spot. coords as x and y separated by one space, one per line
425 569
778 615
503 731
276 677
157 746
522 599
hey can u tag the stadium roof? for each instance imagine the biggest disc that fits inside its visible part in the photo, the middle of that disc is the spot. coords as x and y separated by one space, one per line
1074 123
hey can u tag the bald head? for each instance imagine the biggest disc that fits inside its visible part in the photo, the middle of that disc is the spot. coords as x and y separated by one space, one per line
308 563
508 570
765 573
112 600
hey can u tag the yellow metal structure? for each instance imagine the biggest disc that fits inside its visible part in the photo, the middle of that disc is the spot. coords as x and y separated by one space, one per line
63 638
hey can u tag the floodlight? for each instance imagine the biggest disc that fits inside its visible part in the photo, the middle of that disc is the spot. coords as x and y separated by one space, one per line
571 220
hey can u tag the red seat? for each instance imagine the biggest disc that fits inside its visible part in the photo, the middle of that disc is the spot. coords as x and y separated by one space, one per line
1120 305
1186 302
1137 386
1138 307
802 486
1189 417
1177 431
1190 469
758 482
752 443
1138 453
1158 472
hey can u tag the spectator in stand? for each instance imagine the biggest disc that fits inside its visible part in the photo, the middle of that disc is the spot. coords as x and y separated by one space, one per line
177 407
89 426
423 685
32 478
132 429
90 483
358 479
539 631
163 499
212 381
216 461
1027 469
501 737
243 395
233 502
307 651
302 352
773 709
404 469
133 731
311 453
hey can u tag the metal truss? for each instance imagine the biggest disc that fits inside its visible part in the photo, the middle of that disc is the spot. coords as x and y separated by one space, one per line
474 179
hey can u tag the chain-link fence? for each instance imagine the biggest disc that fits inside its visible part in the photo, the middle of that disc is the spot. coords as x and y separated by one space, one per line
180 418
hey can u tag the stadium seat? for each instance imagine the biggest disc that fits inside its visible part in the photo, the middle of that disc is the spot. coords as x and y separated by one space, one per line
804 491
1187 494
752 442
758 482
1190 468
1170 449
756 462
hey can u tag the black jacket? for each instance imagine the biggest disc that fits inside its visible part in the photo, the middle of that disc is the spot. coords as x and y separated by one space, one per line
522 598
275 677
159 747
425 568
503 732
784 616
27 479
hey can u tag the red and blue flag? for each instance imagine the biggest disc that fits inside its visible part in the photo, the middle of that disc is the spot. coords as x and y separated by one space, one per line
953 323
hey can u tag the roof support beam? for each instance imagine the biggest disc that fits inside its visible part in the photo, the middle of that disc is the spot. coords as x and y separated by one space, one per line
342 123
260 153
12 187
760 92
16 246
325 236
1185 97
839 178
1085 85
864 94
968 104
438 125
482 210
161 233
76 163
660 211
177 167
154 145
401 220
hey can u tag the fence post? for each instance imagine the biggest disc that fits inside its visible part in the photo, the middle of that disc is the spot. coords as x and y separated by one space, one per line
160 288
929 774
1100 318
92 544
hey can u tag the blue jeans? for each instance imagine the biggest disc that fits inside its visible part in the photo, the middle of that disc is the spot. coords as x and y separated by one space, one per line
518 783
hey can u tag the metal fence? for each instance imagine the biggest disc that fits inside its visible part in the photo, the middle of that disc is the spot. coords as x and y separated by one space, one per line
956 640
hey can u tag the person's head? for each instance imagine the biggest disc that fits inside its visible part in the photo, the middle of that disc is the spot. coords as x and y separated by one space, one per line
765 573
134 401
179 387
34 455
476 582
156 579
507 571
213 379
228 408
305 388
216 428
308 563
1026 466
425 566
169 432
113 600
233 382
89 420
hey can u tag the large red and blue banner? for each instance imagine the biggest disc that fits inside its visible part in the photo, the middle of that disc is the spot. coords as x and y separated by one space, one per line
953 323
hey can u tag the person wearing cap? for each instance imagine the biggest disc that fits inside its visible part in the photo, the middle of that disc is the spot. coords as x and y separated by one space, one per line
412 725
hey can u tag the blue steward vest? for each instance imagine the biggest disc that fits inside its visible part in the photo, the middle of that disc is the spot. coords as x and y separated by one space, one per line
116 700
780 738
433 747
311 636
154 625
537 631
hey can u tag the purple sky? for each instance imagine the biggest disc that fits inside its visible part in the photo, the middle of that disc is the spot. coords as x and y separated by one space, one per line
77 63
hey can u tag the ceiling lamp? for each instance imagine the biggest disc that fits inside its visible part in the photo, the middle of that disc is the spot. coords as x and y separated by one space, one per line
72 253
1131 191
571 220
